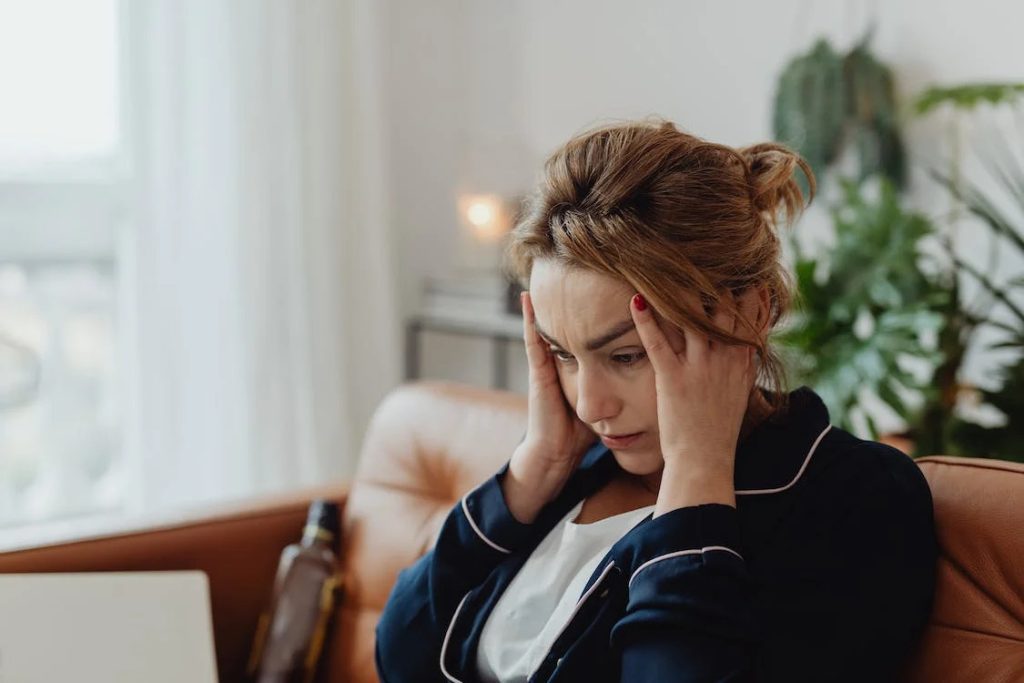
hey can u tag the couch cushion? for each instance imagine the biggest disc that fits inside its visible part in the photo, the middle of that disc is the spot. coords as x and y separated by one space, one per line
427 444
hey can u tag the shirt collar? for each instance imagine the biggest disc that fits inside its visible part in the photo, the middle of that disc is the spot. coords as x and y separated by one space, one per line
774 456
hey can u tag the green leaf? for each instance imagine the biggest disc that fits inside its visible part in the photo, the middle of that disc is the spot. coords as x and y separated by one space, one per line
873 270
968 96
991 287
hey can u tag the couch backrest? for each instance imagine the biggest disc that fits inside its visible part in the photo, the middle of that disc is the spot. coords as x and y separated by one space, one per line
976 632
427 444
430 442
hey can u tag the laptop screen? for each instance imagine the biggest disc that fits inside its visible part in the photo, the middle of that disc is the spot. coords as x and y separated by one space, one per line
110 627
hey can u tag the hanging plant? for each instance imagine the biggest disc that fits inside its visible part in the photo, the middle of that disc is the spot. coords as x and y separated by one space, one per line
872 115
810 106
825 101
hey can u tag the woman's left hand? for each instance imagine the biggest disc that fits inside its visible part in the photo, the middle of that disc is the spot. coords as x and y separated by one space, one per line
703 389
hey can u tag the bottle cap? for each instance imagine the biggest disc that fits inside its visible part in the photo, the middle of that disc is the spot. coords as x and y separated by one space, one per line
323 517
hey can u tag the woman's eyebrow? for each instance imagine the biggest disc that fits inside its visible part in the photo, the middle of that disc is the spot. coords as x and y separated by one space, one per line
594 344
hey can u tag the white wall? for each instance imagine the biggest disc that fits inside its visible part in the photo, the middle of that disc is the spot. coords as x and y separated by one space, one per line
480 91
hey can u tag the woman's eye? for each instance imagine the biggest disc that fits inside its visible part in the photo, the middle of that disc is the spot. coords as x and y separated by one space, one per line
561 355
625 359
629 358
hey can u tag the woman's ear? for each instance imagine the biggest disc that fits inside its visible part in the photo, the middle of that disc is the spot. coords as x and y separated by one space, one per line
755 305
764 311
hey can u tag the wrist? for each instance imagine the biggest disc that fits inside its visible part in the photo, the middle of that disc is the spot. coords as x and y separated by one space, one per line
521 498
707 464
685 485
539 477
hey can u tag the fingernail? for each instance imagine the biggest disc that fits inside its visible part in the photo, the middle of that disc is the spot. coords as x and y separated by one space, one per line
638 301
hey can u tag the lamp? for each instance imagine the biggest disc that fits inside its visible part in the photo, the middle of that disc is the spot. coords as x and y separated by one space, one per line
484 220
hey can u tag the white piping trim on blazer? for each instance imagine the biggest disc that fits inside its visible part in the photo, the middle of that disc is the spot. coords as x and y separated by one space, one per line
579 604
447 635
679 553
749 492
807 460
465 510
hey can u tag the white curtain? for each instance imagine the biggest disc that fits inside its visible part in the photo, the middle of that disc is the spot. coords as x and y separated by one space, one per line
258 261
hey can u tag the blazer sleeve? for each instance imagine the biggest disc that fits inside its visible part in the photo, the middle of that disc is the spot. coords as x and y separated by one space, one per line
842 594
478 534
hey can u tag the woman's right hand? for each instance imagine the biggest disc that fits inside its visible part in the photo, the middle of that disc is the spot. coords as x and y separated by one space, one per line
556 439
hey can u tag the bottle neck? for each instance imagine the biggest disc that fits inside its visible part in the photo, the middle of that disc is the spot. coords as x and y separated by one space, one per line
317 535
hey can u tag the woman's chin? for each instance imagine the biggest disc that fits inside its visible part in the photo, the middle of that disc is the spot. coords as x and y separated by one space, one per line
639 464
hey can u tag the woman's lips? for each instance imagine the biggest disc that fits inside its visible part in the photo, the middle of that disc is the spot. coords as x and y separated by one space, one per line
620 442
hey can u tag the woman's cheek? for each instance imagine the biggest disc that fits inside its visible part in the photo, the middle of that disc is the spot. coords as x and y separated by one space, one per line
568 386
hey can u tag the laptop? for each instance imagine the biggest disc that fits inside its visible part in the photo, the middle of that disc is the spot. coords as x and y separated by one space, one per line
108 627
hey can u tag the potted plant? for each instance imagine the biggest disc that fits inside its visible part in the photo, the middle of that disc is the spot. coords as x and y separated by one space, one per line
866 309
997 204
860 304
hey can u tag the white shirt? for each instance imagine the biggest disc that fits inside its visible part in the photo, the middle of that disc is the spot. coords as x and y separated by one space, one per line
539 601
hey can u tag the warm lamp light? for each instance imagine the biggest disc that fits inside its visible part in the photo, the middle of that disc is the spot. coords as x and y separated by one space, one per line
485 215
480 213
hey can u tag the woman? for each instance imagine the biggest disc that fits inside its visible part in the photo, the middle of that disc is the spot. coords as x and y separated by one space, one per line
719 528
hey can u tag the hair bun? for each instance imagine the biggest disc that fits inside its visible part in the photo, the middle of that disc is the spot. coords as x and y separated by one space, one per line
773 187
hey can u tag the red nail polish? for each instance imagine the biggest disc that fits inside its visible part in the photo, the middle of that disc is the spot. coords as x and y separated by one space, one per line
638 301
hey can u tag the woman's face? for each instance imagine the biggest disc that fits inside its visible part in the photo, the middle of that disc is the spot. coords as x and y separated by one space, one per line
604 372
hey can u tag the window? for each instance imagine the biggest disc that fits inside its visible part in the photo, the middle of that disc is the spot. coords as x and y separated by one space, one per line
62 209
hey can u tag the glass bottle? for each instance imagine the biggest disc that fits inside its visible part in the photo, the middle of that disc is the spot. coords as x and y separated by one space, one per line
291 631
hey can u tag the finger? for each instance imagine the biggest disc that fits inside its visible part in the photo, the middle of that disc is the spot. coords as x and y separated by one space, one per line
696 342
656 344
675 336
536 351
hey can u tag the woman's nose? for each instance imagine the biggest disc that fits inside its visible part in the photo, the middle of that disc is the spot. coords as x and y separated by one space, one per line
595 397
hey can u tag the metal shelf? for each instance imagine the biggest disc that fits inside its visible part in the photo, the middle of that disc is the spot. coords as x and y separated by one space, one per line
499 328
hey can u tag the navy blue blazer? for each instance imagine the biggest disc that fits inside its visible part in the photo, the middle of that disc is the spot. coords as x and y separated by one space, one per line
824 571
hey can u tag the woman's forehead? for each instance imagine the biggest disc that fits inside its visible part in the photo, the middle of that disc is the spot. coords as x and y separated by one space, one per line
575 307
550 279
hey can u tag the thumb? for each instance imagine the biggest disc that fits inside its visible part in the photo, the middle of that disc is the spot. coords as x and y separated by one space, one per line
656 344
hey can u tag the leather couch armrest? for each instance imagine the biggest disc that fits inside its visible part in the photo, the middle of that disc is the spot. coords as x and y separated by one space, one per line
237 545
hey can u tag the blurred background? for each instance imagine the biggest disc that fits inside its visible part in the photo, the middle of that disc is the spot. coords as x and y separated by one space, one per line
229 227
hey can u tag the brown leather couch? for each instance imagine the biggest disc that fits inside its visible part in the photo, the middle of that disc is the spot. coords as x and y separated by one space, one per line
430 442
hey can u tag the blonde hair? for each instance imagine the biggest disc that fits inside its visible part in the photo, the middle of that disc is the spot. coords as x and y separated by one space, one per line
668 212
